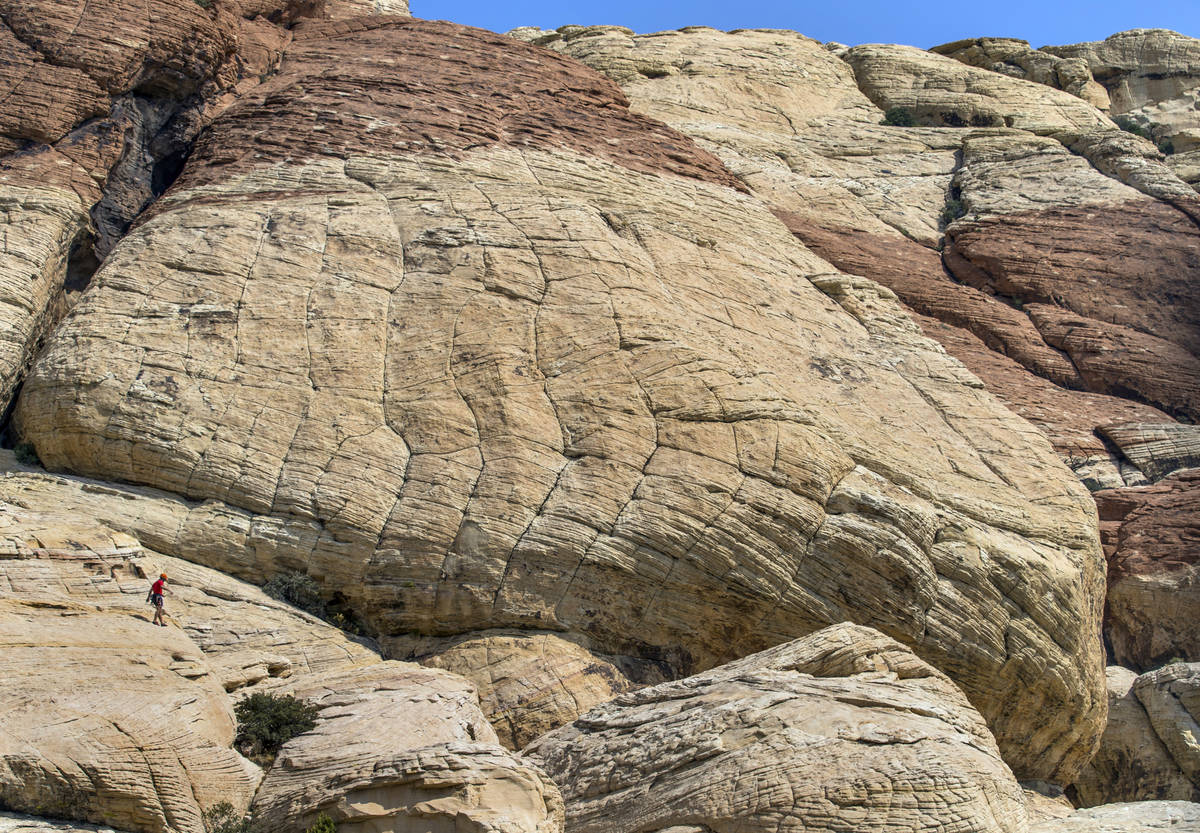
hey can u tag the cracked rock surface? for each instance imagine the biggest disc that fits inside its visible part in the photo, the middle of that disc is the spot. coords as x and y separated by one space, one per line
844 729
505 377
108 719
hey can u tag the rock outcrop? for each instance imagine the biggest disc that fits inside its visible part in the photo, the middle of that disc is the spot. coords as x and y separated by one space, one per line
843 728
1084 337
396 745
104 717
1132 763
507 362
528 682
940 91
1153 604
1015 58
101 103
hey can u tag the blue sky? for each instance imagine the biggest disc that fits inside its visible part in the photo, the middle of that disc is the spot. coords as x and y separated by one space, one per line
865 21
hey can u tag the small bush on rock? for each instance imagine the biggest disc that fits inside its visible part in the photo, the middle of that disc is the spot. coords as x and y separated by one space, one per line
898 117
953 210
222 818
323 824
268 721
298 590
26 454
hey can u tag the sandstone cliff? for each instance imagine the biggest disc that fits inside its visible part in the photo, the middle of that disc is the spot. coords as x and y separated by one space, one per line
577 361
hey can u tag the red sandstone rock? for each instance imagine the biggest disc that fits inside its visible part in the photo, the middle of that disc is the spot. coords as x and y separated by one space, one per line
386 85
1152 537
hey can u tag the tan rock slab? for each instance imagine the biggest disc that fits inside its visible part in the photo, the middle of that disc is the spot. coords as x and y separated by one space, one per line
842 729
398 745
529 683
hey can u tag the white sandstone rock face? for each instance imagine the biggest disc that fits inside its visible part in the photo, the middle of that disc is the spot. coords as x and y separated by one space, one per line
105 717
1171 696
340 9
844 729
40 225
786 116
398 745
1132 817
941 91
1140 66
1015 58
370 466
548 386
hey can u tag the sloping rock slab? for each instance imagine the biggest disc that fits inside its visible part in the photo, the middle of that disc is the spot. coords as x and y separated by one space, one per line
1131 817
841 729
397 744
529 683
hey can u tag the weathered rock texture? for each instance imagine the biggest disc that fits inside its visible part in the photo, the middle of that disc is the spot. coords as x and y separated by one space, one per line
1171 696
1152 75
529 683
107 718
1132 763
1150 534
1015 58
17 823
1068 272
508 362
104 717
1133 817
845 729
941 91
101 100
398 746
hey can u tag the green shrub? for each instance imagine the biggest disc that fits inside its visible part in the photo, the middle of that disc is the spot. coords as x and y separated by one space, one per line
298 590
898 117
953 210
1128 124
1166 147
222 818
323 824
204 4
26 454
268 721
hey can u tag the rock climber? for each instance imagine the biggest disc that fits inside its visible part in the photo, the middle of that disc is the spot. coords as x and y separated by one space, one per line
156 597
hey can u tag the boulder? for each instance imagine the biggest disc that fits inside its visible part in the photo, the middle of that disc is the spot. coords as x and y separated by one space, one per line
1132 764
834 731
398 745
528 683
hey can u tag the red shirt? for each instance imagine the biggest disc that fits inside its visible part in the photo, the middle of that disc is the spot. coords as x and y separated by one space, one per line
157 587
